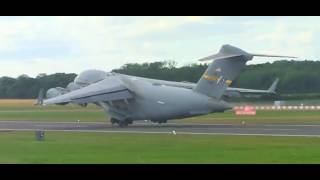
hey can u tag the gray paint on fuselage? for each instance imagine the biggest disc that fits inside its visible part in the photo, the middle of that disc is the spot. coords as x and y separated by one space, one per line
157 102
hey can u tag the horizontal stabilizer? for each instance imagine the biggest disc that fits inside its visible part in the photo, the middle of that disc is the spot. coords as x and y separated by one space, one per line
266 55
219 56
227 52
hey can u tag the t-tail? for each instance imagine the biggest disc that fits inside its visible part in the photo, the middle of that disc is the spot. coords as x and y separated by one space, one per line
226 66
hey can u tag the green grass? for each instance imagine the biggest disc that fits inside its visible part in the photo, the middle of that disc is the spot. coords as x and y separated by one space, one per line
71 113
24 110
56 115
67 147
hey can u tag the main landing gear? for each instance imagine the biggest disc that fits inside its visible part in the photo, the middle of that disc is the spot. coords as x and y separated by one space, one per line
121 123
162 121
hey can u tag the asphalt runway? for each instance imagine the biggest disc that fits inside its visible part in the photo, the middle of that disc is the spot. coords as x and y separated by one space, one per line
172 128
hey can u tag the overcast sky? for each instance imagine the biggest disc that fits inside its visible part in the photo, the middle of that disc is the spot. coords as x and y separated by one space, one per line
33 45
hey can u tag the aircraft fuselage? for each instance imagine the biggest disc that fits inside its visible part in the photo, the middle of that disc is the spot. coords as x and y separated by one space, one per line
160 103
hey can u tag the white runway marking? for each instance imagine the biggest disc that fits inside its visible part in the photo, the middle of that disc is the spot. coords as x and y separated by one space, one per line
167 132
280 129
170 128
293 125
288 125
95 131
54 125
150 123
57 122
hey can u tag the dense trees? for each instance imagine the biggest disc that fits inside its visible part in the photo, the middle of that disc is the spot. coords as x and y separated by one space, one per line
26 87
295 77
165 70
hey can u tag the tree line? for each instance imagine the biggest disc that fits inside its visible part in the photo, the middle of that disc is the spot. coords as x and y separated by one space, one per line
25 87
295 77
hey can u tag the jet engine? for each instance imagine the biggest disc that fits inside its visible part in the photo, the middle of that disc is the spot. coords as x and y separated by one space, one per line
54 92
73 86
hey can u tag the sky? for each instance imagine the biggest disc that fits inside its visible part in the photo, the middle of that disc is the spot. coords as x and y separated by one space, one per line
34 45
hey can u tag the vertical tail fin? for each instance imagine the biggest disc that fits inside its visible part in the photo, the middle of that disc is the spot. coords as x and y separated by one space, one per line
225 67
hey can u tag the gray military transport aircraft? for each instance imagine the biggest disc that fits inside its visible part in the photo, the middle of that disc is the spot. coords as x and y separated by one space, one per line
129 98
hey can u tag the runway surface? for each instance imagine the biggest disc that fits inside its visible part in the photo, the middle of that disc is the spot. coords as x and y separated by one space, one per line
173 128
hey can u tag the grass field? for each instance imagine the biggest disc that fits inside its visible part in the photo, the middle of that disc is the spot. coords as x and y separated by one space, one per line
85 147
24 110
62 147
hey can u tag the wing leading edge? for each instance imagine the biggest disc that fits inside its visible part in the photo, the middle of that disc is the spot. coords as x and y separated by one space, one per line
109 89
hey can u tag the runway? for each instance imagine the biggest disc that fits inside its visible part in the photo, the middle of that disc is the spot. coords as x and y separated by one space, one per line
169 128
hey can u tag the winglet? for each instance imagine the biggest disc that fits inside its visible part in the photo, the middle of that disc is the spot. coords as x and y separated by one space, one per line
273 86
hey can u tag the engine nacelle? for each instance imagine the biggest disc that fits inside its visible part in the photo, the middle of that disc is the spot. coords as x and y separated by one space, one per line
54 92
73 86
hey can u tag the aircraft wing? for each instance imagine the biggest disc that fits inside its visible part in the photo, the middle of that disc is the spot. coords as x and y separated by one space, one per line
271 90
183 84
229 91
106 90
252 91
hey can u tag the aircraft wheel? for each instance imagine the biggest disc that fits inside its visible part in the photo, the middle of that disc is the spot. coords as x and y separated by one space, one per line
123 123
129 121
113 120
162 121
